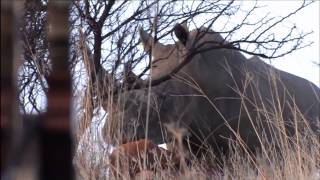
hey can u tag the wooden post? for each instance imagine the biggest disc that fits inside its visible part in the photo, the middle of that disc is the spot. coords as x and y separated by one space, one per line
56 139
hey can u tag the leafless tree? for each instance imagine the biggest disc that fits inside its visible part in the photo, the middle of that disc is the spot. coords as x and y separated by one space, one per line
35 62
105 55
107 33
110 38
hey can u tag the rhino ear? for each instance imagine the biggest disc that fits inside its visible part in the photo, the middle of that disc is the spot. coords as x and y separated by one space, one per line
146 39
181 31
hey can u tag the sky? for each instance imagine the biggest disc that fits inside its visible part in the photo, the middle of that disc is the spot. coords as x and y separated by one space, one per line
302 62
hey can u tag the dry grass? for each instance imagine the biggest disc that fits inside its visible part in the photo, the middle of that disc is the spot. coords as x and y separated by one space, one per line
293 165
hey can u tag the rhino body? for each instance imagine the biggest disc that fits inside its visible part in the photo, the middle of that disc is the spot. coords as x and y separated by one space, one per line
219 96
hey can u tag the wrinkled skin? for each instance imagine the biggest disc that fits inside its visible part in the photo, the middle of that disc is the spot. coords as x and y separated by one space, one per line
218 94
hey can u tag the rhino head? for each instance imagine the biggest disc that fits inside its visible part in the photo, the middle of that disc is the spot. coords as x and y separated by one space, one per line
140 113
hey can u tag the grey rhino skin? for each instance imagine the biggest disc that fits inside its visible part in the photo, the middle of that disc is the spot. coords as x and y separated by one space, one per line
218 96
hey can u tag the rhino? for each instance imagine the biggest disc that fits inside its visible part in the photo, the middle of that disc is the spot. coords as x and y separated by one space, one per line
219 96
